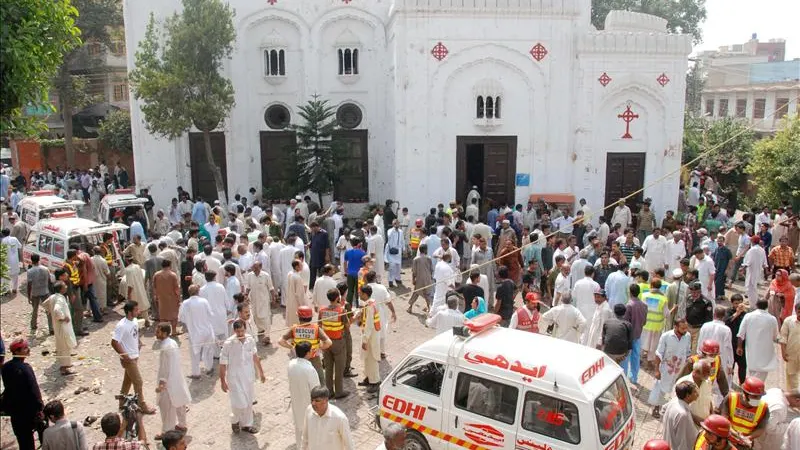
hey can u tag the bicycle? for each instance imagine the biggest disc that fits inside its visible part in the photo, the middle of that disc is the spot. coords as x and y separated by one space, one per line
132 419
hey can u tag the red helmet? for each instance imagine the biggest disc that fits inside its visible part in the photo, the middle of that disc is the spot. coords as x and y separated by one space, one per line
305 312
717 425
753 386
710 347
656 444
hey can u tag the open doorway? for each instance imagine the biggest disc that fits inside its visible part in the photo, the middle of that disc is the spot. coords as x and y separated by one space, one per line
475 167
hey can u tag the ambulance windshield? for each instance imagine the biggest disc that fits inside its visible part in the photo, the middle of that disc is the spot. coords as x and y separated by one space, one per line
613 409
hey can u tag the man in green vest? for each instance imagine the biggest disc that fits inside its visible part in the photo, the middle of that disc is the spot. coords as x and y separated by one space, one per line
657 311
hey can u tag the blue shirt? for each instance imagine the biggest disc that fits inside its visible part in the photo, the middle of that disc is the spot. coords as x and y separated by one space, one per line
491 217
199 213
137 229
319 244
617 288
353 259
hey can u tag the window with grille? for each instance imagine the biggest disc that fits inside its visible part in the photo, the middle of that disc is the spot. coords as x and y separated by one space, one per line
723 107
759 105
709 107
94 48
741 107
348 61
781 108
274 62
117 48
121 92
487 107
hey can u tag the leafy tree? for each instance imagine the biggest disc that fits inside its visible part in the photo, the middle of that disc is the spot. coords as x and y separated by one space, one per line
35 35
314 161
773 168
695 82
96 20
683 16
115 131
728 144
180 82
693 130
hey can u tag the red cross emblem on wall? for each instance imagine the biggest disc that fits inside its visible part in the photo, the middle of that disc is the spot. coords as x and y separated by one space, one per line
628 116
272 2
538 51
604 79
663 79
439 51
346 2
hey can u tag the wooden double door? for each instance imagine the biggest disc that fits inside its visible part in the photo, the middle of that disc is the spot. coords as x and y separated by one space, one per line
488 162
624 176
202 177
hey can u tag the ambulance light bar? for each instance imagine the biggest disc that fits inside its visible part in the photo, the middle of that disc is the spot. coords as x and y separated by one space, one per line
478 324
63 214
43 192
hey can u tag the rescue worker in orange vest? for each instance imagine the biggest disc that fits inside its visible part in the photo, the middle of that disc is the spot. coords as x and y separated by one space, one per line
709 349
526 317
370 322
748 413
74 291
656 444
334 321
415 235
305 331
715 435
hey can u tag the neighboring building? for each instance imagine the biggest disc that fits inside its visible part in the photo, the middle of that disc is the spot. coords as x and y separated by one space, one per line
437 95
751 81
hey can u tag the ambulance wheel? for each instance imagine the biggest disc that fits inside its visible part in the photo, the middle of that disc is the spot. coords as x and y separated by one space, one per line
415 441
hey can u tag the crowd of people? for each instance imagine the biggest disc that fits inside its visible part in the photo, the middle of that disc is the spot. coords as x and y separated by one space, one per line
646 294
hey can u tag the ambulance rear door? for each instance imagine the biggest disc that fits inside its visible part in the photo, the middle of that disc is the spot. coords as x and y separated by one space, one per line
415 394
483 411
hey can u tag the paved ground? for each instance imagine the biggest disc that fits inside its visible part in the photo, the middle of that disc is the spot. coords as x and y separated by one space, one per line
99 376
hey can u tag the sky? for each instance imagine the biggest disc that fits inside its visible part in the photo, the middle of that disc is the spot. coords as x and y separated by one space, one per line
733 21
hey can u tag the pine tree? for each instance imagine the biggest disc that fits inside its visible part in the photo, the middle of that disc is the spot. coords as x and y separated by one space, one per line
314 161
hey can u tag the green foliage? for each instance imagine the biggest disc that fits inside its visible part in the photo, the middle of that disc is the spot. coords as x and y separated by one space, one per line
729 143
774 168
47 144
683 16
35 35
179 80
115 131
314 161
694 89
693 128
4 272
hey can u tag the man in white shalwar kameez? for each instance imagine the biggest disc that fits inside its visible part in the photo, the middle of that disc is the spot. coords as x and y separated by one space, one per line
444 276
274 268
655 248
135 288
295 293
57 307
302 378
101 274
473 193
716 330
602 313
583 294
375 248
13 250
568 322
370 338
394 240
383 300
673 348
196 314
757 336
238 363
286 257
173 394
221 307
260 290
755 262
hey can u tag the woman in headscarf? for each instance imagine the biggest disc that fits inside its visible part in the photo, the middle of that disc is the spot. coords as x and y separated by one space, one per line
781 296
478 308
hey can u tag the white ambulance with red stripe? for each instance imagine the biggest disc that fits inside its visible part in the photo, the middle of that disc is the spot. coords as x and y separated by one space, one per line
42 204
495 388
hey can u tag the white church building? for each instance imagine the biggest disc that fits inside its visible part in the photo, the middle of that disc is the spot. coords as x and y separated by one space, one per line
433 96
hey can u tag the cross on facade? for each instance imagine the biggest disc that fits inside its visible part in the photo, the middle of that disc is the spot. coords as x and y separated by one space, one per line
628 116
439 51
272 2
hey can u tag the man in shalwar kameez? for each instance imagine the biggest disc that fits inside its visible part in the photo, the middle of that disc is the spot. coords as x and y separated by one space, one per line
755 262
394 252
370 323
173 394
221 306
375 247
58 307
383 301
260 290
295 293
196 315
673 349
302 378
238 363
101 275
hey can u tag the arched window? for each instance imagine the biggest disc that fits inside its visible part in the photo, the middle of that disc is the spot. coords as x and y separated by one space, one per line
489 108
341 61
480 106
355 61
281 63
274 62
497 107
348 61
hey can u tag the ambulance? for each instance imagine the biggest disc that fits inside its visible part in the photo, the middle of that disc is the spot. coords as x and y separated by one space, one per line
42 204
122 201
51 238
484 387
